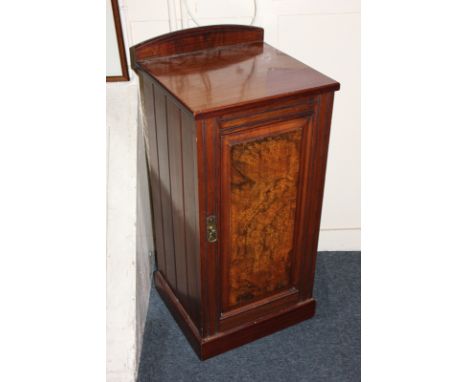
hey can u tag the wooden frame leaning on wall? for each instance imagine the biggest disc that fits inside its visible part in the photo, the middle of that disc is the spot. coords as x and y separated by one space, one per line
121 45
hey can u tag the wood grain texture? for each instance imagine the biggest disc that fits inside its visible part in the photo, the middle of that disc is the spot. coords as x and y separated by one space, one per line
177 197
261 181
320 136
151 141
215 69
164 185
170 136
190 203
210 346
238 131
208 157
264 180
210 82
195 39
257 328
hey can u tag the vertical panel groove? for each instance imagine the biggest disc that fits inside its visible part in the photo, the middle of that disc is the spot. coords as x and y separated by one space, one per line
196 274
159 182
164 183
177 197
170 192
187 284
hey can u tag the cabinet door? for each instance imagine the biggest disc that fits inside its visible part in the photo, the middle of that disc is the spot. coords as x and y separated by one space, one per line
261 186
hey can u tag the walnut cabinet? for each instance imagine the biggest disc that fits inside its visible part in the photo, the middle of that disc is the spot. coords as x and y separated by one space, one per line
236 136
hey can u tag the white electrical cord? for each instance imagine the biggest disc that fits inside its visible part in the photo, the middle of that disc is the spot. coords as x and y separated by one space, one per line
198 24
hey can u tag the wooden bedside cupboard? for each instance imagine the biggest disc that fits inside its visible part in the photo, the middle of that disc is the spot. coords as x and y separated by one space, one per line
236 134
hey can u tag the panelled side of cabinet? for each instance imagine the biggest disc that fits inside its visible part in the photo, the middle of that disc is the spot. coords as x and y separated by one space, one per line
172 156
153 169
237 137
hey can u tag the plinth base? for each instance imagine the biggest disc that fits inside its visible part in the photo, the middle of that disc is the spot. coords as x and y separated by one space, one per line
221 342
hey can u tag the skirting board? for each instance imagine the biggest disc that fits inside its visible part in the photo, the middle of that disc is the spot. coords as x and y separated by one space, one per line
221 342
340 239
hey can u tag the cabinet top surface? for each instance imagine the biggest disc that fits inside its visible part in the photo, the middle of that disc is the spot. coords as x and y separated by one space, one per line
209 80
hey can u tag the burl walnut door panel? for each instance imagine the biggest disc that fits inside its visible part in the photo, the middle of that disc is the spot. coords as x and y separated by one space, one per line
237 167
261 182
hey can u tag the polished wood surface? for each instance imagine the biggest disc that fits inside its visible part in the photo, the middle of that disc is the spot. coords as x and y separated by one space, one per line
229 339
236 132
213 79
299 118
260 195
195 39
172 158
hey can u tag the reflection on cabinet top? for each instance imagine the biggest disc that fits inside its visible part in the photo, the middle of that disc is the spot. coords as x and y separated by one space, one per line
225 67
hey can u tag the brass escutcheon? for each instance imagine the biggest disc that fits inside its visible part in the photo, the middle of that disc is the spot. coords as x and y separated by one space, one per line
211 232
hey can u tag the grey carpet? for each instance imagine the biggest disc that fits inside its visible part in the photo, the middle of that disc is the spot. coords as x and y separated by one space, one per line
324 348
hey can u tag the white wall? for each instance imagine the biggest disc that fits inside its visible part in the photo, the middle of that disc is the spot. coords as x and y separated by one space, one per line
121 231
129 235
